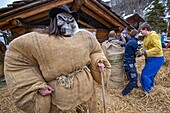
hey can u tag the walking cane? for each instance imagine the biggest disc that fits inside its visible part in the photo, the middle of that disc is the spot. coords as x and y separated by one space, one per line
101 68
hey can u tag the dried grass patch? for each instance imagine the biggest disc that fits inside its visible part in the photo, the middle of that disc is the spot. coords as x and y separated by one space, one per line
136 102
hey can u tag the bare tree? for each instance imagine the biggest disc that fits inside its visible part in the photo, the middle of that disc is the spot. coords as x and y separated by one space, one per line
126 7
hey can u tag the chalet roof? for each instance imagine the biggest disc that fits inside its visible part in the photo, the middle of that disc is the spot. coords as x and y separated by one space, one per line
134 19
134 16
94 14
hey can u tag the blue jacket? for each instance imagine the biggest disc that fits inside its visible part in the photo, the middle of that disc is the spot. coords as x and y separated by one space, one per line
163 38
130 49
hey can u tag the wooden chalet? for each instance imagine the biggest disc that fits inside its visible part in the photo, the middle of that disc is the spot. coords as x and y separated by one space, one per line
134 19
24 16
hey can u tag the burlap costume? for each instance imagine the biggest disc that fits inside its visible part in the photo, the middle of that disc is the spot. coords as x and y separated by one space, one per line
34 60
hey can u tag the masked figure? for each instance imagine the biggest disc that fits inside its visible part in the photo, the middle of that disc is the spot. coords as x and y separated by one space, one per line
54 72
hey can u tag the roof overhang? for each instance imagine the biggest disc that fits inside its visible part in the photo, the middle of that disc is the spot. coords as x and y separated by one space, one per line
31 13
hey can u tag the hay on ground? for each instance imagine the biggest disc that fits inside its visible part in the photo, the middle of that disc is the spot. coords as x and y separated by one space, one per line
136 102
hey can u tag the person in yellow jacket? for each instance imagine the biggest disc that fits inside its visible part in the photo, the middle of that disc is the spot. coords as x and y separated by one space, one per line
153 52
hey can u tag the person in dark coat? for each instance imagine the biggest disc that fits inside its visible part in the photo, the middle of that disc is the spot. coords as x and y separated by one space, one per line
129 62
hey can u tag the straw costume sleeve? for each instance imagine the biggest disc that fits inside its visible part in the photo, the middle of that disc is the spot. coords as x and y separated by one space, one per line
96 56
23 75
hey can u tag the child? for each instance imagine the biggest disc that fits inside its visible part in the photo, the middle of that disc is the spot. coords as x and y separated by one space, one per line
129 62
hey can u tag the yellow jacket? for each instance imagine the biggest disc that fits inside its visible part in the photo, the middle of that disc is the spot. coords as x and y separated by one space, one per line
152 45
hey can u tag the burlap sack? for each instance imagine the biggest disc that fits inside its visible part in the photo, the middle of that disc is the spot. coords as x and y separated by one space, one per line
68 98
115 55
36 60
89 106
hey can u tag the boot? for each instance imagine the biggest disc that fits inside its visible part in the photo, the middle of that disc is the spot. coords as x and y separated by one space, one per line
129 88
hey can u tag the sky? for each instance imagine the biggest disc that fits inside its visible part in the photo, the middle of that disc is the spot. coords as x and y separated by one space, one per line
3 3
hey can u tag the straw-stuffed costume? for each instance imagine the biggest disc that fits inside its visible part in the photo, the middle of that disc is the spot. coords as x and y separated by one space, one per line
53 73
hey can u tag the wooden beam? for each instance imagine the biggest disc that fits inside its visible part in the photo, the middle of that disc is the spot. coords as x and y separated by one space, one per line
39 20
36 17
85 24
35 10
102 35
11 24
5 27
76 5
108 15
19 9
115 16
103 31
98 18
26 24
16 22
101 13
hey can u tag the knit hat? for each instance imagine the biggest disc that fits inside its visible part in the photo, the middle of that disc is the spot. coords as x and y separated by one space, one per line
63 8
133 33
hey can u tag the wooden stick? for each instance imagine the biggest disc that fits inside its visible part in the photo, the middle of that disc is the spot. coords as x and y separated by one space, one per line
103 92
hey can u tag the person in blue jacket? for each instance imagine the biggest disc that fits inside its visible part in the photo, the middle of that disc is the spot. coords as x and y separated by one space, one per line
129 62
163 36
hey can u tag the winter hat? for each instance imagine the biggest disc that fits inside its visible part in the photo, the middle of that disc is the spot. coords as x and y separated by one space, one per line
63 8
133 33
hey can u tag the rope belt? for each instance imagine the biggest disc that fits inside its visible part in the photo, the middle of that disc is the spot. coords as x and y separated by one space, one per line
67 80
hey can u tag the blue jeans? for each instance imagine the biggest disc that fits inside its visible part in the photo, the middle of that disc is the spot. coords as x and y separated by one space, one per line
152 66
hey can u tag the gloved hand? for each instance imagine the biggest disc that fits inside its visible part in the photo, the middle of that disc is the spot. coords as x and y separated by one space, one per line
139 53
